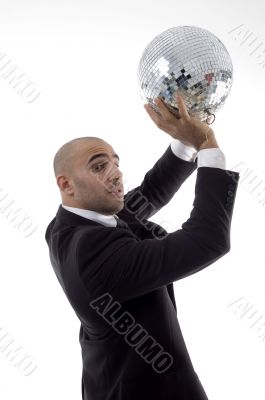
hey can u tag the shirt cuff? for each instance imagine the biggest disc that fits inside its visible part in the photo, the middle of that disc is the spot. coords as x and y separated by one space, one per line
183 151
214 158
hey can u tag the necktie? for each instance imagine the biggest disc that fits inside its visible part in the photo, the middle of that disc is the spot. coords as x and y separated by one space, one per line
121 223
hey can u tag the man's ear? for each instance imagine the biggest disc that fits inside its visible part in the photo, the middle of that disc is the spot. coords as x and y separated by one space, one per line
65 185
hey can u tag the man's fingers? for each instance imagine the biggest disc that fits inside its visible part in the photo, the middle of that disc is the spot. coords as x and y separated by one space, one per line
153 114
166 114
182 107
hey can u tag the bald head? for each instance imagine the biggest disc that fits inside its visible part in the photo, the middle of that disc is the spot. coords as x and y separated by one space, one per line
87 171
63 163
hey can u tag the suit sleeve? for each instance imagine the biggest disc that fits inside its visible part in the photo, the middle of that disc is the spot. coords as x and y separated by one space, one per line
158 187
111 260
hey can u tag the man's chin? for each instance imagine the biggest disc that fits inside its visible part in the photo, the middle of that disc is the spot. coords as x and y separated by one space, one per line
120 207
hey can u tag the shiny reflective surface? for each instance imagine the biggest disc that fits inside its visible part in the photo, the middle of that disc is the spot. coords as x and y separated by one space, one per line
189 61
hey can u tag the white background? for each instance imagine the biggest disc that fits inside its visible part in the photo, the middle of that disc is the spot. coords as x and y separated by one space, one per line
83 58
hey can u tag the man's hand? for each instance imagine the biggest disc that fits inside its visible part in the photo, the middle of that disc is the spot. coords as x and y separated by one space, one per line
189 130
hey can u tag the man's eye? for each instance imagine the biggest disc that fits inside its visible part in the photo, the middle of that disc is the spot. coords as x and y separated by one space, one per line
99 167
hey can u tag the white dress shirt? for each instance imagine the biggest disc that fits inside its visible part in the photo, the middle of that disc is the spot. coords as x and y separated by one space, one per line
213 158
206 157
107 220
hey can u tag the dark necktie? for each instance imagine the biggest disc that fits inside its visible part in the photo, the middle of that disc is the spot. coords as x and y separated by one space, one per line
121 223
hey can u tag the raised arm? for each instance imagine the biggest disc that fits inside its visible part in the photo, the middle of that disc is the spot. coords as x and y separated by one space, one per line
111 260
167 175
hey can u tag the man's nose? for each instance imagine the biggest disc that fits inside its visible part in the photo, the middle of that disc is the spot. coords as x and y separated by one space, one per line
115 173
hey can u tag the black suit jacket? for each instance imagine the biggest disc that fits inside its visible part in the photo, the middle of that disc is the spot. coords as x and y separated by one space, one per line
120 282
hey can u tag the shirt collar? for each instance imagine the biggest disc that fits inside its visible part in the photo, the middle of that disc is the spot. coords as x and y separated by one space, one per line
107 220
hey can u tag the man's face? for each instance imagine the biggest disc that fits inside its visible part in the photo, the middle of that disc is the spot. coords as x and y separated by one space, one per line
95 175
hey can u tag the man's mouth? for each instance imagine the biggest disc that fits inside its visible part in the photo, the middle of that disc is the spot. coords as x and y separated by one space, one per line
117 192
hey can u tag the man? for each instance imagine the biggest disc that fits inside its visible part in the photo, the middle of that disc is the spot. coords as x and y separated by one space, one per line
117 269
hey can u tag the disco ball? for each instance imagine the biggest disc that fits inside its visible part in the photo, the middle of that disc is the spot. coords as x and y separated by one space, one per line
189 61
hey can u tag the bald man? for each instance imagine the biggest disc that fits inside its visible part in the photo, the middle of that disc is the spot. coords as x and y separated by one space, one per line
117 268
